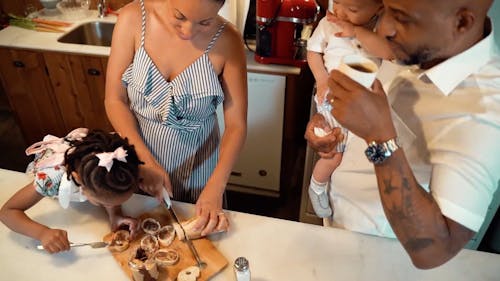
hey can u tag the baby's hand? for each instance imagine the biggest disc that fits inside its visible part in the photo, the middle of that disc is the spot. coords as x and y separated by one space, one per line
54 240
347 27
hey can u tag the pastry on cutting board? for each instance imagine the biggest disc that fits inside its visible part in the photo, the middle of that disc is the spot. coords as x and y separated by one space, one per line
189 274
118 241
166 257
150 226
166 235
191 232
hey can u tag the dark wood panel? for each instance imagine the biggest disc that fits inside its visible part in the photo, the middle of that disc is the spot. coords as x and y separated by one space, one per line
28 89
113 4
18 7
78 83
94 71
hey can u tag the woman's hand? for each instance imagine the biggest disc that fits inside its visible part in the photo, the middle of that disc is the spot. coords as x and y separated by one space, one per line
209 211
54 240
154 180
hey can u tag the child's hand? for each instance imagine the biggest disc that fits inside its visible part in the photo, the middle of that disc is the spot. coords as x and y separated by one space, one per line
119 222
347 27
54 240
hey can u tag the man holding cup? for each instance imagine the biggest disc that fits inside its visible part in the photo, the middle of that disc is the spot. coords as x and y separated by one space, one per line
425 161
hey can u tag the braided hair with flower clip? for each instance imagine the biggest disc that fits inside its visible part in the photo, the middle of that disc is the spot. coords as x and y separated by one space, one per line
81 158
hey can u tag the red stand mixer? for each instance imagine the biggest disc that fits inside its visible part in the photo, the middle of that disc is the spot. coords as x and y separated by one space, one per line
279 27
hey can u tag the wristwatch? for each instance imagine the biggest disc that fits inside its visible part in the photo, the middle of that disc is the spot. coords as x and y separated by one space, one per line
377 153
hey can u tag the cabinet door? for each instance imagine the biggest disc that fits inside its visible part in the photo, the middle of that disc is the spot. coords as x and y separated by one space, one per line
78 83
259 164
18 7
28 89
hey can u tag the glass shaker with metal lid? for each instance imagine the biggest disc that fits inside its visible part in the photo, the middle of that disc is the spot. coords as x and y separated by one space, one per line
242 269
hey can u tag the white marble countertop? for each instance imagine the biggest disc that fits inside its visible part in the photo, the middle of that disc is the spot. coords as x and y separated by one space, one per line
276 249
17 37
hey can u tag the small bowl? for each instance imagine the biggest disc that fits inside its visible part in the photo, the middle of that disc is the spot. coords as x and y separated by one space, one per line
49 4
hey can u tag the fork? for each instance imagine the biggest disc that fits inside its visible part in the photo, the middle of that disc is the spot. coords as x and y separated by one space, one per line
94 245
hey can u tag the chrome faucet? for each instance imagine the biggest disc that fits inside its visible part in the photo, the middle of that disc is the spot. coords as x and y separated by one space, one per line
102 8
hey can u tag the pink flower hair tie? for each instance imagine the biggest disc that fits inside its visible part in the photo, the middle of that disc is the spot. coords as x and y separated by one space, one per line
106 158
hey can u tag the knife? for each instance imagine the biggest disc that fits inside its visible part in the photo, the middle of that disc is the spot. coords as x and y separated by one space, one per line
168 205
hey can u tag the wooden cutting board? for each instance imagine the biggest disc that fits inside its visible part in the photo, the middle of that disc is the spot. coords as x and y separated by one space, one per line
207 251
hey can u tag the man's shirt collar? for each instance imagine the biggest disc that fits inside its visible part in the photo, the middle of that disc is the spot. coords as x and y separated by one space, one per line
450 73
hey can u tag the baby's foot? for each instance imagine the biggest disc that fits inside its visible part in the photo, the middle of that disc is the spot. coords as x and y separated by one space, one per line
319 199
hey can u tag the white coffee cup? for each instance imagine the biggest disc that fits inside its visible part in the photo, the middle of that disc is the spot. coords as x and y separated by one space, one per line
359 68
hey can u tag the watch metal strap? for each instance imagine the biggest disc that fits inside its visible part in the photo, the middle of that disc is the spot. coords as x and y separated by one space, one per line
391 145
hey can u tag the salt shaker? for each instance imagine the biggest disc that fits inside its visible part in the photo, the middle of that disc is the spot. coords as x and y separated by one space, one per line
242 269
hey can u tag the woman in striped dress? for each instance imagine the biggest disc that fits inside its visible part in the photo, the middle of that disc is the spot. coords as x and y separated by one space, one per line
172 63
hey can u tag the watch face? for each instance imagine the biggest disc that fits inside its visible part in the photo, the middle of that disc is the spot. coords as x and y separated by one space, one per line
376 153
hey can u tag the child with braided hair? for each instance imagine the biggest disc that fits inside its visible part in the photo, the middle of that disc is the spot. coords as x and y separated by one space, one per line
100 167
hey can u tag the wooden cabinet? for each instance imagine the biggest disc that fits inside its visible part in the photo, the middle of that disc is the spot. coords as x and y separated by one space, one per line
18 7
78 84
53 93
28 89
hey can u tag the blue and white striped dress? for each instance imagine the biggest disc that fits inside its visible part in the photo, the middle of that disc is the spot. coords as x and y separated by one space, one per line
177 119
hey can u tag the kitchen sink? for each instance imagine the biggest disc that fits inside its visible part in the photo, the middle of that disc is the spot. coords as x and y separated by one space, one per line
90 33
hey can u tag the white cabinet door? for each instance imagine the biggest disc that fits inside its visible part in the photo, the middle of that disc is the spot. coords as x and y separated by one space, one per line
259 163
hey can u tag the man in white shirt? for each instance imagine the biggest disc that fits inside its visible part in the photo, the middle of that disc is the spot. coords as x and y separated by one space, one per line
432 147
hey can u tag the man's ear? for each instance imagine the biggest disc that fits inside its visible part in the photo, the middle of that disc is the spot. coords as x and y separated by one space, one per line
464 21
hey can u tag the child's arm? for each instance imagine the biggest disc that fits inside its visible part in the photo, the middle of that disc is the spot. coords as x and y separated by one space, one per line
14 217
317 66
117 219
371 42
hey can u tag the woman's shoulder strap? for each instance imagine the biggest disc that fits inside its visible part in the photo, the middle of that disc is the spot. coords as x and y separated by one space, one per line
216 36
143 21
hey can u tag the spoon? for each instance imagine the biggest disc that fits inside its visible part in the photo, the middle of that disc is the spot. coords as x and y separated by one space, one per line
94 245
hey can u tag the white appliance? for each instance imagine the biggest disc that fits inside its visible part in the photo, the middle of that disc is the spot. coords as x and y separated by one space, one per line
259 164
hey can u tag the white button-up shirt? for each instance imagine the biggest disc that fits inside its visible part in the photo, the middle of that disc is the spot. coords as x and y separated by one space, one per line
333 48
448 122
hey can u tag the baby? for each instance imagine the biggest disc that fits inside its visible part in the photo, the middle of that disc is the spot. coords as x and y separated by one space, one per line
347 29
